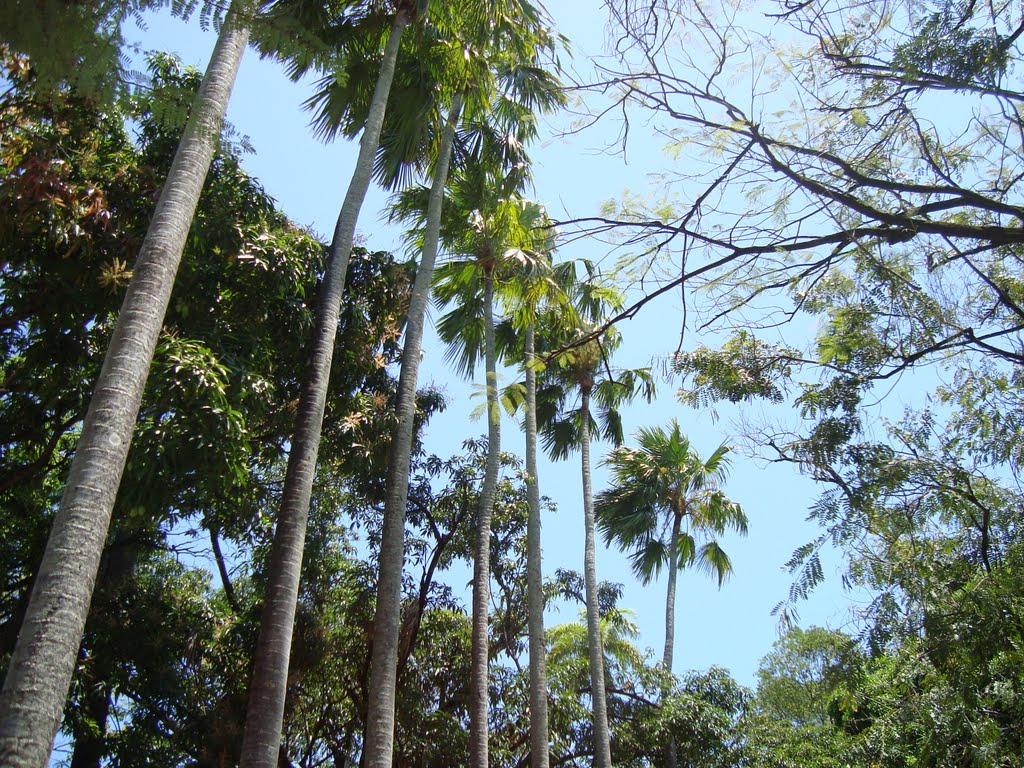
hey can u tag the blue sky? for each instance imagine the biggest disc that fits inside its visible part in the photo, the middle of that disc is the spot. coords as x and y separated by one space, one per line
731 627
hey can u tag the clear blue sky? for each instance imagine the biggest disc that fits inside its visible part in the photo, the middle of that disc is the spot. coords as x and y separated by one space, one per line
731 627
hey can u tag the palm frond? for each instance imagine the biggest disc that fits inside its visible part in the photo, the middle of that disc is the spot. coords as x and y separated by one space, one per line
663 482
713 561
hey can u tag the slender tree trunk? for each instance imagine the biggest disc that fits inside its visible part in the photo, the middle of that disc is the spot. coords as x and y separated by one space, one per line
265 714
44 658
479 699
91 737
534 580
602 734
670 600
380 716
670 621
225 577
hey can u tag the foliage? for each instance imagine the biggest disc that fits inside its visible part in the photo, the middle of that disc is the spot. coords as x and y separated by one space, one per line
576 355
74 44
699 711
81 47
656 489
75 199
795 717
743 369
864 185
868 210
798 678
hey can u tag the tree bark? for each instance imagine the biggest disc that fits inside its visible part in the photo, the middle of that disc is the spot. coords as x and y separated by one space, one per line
43 661
265 714
670 621
670 600
479 699
380 717
602 734
539 739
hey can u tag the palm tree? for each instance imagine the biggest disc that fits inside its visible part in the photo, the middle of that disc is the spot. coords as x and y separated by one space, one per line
501 88
535 286
539 738
568 426
381 711
656 490
500 230
40 670
265 712
570 647
440 64
510 240
583 367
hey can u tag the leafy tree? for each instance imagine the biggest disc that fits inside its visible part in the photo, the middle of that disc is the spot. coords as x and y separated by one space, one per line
797 679
213 421
802 684
71 44
892 226
701 718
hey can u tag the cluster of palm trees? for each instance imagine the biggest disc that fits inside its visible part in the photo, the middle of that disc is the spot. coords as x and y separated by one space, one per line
471 77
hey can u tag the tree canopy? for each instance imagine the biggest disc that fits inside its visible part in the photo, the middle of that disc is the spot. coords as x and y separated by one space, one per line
838 213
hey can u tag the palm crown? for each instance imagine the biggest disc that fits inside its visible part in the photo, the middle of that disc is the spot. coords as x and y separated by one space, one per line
578 363
663 487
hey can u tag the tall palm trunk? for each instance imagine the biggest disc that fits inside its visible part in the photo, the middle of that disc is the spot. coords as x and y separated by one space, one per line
478 687
602 735
260 743
670 620
534 583
44 658
670 600
380 717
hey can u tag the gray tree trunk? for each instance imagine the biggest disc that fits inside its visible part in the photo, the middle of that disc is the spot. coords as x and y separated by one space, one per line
534 575
602 734
670 620
265 713
380 717
670 600
479 699
40 671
